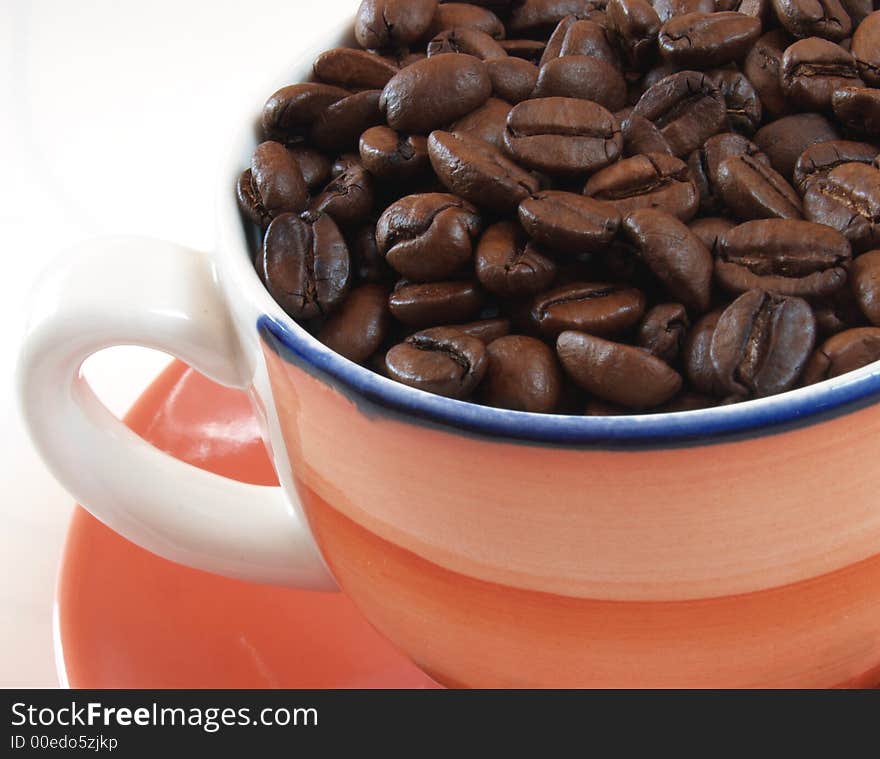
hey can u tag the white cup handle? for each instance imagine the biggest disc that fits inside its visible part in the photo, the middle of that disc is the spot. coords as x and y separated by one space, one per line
130 291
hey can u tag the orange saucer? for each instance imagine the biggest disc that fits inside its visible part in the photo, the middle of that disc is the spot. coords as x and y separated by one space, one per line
129 619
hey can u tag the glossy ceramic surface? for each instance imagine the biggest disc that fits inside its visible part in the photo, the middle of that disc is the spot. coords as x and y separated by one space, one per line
129 619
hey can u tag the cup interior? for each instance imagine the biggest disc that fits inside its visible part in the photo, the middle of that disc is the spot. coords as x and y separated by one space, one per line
239 241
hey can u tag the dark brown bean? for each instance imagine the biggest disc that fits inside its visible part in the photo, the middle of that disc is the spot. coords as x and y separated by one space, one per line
462 39
509 264
479 172
752 190
465 16
762 342
315 166
865 282
697 357
615 372
866 48
488 122
348 198
389 155
513 79
564 136
273 184
567 222
305 265
584 77
784 140
710 228
486 330
705 40
788 257
433 303
654 180
686 107
848 200
762 67
599 308
814 18
812 69
393 23
354 69
744 109
818 160
434 92
663 331
428 237
674 254
523 374
359 326
634 24
858 108
442 361
340 126
537 18
292 110
640 136
842 353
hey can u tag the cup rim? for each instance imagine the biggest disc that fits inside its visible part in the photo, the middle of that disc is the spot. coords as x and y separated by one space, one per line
796 407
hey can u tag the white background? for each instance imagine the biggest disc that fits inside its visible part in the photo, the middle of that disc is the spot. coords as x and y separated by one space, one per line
113 116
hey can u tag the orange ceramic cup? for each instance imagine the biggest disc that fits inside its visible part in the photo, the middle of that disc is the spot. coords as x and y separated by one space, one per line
727 547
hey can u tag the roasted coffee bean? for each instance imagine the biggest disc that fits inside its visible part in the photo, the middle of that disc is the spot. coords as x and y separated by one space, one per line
442 361
814 18
428 237
354 69
667 9
837 312
434 92
818 160
513 79
488 122
762 68
762 342
305 265
462 39
562 136
340 126
537 18
509 264
389 155
704 165
744 110
845 352
581 37
865 283
710 228
523 374
486 330
567 222
788 257
704 40
527 50
580 76
273 185
599 308
367 262
634 24
858 10
479 172
866 49
359 326
393 23
812 69
848 200
433 303
640 136
615 372
465 16
752 190
674 254
348 198
315 166
291 111
686 107
784 140
663 331
697 359
858 108
655 180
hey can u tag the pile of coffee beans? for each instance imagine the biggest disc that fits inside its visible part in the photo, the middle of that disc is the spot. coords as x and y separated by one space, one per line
583 206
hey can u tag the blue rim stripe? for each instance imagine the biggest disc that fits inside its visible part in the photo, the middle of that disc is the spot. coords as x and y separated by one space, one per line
844 394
